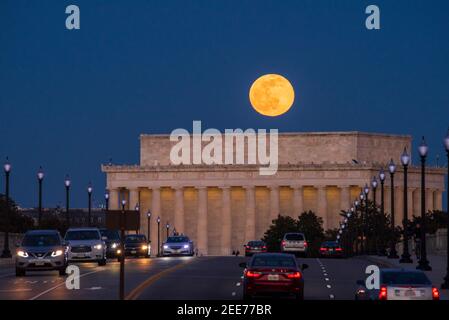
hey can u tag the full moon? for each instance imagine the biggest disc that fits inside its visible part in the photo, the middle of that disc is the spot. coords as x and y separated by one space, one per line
272 95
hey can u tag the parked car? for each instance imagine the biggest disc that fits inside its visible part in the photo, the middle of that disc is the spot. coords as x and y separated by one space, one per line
255 246
41 250
178 245
294 243
273 274
331 249
137 245
112 241
399 284
86 244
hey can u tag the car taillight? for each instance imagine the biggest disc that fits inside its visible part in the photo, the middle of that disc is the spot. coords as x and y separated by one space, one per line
338 249
383 293
435 294
323 249
264 247
305 244
252 274
283 243
294 275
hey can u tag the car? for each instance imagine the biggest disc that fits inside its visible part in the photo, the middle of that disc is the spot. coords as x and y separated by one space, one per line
178 245
399 284
294 242
137 245
41 250
331 249
273 273
112 241
255 246
86 244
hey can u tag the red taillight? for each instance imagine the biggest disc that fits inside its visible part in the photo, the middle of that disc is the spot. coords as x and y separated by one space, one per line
294 275
383 293
264 247
323 249
435 294
338 249
252 274
305 244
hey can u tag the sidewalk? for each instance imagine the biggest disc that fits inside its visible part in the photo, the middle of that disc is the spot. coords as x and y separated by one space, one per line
437 262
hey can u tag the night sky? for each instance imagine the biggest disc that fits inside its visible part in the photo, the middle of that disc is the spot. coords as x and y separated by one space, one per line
70 100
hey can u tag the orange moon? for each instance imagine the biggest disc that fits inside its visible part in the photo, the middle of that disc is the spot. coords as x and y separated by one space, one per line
271 95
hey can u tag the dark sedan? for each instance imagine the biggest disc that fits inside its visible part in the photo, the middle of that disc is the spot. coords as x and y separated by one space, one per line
331 249
137 245
273 274
255 247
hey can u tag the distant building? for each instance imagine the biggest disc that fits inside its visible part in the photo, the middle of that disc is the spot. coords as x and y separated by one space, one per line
223 206
78 217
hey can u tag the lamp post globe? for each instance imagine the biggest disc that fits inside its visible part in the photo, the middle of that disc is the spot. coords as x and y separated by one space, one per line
423 264
106 199
6 253
89 203
445 284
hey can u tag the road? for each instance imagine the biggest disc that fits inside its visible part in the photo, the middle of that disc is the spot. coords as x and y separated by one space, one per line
183 278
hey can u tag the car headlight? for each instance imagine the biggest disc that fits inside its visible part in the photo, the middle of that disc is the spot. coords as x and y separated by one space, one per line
144 247
22 254
119 251
165 246
186 246
56 253
98 246
114 245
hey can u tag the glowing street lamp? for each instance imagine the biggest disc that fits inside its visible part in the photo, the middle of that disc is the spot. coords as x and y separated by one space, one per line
67 184
405 257
40 178
445 284
6 251
89 197
392 169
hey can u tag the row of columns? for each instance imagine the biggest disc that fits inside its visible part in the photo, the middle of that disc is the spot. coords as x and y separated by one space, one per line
251 215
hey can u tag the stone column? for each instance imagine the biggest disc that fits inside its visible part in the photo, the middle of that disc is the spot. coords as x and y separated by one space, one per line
155 212
345 198
202 244
179 210
438 201
298 201
322 206
250 230
429 200
274 203
226 223
133 198
113 199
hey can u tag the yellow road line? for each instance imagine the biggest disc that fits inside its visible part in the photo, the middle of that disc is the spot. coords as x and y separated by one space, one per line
137 291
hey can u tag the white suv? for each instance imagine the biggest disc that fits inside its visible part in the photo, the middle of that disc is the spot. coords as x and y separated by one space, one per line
295 243
86 244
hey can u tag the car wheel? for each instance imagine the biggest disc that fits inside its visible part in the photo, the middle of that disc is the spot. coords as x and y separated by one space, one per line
102 262
20 272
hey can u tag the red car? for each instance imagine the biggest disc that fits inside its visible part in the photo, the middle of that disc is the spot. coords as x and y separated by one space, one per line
255 247
273 273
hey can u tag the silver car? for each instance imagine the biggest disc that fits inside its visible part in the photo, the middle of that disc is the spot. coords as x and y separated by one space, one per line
178 245
86 244
295 243
41 250
399 284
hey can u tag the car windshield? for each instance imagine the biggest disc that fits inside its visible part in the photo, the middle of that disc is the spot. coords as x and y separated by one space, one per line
177 239
330 245
41 240
256 244
82 235
110 234
408 278
135 238
294 237
273 261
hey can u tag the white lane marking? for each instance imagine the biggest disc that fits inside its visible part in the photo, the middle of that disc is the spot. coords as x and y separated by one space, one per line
15 290
233 294
238 284
61 284
94 288
325 274
241 277
328 286
331 296
327 279
31 282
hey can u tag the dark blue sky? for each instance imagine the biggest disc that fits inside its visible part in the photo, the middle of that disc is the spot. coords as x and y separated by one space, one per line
70 100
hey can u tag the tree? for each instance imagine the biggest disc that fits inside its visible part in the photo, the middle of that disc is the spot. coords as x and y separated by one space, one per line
11 219
312 227
280 226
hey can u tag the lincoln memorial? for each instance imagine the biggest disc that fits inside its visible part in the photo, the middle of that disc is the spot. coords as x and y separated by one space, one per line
220 207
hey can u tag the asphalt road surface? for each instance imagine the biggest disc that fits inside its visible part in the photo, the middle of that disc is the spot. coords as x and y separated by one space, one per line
183 278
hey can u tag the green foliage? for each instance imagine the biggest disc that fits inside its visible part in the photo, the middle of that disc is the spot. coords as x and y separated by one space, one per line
434 220
10 218
280 226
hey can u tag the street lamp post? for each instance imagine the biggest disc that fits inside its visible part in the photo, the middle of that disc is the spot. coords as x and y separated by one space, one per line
374 185
362 221
149 225
158 236
122 252
89 208
40 178
393 254
356 205
423 262
6 252
382 184
167 226
67 183
445 284
106 200
405 258
366 192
